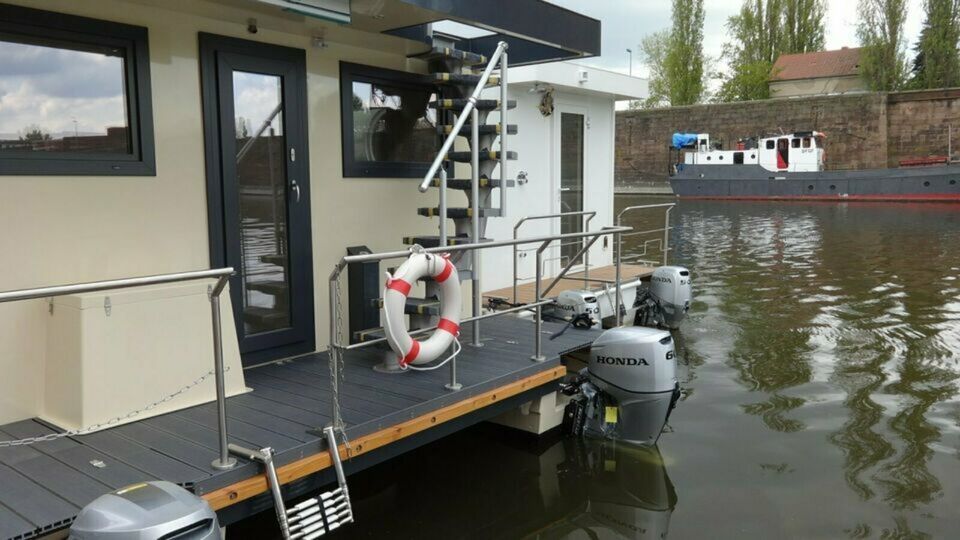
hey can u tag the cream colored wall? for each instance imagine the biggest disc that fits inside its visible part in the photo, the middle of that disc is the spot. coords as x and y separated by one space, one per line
810 87
72 228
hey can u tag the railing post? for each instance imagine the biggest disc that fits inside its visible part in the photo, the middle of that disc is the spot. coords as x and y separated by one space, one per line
666 234
443 207
503 132
475 221
224 461
617 249
538 322
586 256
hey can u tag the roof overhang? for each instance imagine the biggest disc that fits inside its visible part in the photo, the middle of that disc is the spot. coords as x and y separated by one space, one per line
536 31
572 77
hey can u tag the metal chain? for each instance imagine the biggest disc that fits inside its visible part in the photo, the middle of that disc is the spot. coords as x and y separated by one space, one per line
112 421
337 365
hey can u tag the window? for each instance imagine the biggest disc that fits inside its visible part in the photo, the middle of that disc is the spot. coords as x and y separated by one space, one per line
74 96
388 127
770 145
738 158
806 142
795 143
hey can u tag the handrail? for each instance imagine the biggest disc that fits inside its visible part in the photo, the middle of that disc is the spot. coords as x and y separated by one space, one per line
462 119
544 241
618 248
589 214
224 461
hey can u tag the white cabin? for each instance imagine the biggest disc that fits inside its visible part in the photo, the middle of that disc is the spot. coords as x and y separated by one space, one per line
797 152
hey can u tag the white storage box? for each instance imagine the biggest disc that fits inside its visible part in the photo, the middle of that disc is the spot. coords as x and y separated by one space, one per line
109 353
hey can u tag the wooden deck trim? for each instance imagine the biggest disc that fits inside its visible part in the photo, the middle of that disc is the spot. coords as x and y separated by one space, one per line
256 485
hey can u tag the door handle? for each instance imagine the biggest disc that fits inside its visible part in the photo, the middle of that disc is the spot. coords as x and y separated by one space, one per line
296 190
565 189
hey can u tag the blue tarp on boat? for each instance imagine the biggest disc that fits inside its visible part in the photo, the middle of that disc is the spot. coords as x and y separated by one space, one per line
681 140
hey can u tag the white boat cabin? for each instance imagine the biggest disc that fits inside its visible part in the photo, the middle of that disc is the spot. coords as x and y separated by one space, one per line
796 152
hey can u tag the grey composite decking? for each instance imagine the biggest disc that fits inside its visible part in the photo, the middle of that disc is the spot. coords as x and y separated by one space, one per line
43 486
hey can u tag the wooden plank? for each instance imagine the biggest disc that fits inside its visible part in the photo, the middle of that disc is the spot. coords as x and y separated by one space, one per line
252 487
526 292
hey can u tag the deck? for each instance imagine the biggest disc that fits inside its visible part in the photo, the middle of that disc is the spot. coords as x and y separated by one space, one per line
44 485
599 276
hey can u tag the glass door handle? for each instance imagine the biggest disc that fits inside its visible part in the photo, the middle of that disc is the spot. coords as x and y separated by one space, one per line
296 190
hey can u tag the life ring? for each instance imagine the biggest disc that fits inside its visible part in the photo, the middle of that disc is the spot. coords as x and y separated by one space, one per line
421 265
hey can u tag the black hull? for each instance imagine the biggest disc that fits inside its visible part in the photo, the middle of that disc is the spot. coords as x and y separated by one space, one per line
930 184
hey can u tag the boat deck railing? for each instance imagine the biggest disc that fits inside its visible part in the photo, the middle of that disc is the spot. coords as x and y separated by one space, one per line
662 240
222 275
588 238
586 216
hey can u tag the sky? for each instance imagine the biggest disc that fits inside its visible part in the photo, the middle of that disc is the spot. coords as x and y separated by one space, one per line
626 22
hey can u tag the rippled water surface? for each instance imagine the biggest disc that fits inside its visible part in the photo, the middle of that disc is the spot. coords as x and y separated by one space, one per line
821 400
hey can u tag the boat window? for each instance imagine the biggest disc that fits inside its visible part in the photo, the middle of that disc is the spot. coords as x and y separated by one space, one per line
806 142
389 128
76 96
770 145
738 158
795 143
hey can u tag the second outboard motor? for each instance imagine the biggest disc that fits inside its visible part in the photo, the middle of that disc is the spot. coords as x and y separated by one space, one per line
628 388
667 300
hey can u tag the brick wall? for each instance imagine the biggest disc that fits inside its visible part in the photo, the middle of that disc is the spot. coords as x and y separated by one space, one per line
863 130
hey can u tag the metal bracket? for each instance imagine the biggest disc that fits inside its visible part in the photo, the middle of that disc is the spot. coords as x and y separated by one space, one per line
50 306
107 306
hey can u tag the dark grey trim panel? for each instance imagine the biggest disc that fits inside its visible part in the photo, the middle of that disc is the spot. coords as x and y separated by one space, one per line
134 40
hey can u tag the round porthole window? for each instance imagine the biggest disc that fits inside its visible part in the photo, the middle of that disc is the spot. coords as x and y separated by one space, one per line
953 182
708 158
926 184
833 187
810 187
752 156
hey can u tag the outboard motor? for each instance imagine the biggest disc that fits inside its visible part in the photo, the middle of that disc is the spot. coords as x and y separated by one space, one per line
628 388
666 301
147 511
578 307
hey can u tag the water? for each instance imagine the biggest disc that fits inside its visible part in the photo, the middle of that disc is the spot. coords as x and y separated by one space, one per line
820 375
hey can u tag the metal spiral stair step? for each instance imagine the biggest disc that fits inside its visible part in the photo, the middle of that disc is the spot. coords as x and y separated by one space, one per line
440 53
278 260
466 156
422 306
486 129
459 104
458 213
457 79
467 184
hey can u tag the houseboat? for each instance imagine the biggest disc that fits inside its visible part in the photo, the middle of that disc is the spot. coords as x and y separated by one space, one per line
206 203
793 167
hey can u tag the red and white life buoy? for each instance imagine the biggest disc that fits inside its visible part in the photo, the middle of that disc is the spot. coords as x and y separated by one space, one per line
421 265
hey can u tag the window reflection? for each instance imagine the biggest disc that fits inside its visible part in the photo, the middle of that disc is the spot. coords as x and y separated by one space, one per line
60 96
393 123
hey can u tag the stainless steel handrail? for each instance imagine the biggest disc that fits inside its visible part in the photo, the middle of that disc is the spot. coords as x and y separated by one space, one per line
618 247
224 461
462 119
544 241
588 214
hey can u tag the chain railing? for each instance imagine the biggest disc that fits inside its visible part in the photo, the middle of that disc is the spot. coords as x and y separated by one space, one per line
222 275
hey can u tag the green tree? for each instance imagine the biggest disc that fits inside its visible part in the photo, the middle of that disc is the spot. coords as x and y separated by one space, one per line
937 61
653 52
675 58
34 133
683 65
880 30
758 35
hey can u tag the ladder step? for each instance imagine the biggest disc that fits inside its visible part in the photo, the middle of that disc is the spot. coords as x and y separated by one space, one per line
434 241
273 288
440 53
279 260
422 306
462 79
266 317
369 334
482 104
486 129
467 184
458 213
466 156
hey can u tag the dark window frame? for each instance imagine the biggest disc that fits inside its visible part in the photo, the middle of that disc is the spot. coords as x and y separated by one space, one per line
350 73
34 24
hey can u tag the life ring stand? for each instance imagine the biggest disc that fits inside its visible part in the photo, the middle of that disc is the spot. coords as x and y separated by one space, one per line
411 352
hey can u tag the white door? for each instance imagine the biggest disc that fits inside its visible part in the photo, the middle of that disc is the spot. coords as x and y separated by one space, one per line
570 166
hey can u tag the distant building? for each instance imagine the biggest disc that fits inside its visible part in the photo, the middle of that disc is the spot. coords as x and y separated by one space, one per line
817 73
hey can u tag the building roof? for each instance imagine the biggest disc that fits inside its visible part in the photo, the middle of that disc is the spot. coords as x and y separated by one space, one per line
843 62
580 79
